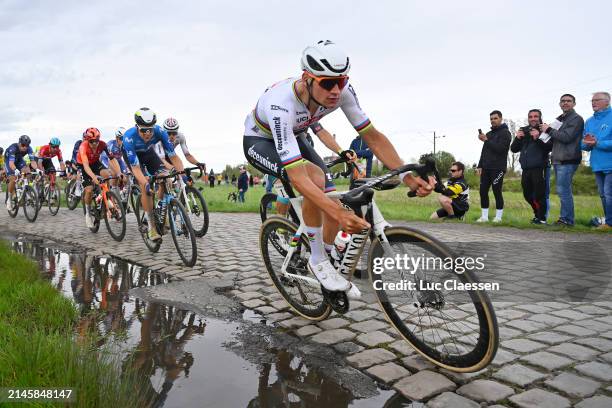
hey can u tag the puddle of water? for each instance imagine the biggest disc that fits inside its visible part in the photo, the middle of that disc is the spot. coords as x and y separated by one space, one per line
183 354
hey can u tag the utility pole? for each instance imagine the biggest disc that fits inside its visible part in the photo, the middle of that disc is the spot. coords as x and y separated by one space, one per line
434 141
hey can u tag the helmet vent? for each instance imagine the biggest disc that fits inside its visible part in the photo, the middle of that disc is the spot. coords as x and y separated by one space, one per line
313 64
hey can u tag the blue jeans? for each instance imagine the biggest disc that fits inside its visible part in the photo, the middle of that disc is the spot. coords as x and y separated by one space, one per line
604 185
241 196
564 174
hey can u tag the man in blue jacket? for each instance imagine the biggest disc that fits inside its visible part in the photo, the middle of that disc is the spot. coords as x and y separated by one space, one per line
360 147
243 183
598 140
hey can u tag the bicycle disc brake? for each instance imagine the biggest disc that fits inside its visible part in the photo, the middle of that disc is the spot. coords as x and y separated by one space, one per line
337 300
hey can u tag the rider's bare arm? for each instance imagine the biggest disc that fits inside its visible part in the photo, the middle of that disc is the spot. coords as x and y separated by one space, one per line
384 150
300 179
328 140
177 163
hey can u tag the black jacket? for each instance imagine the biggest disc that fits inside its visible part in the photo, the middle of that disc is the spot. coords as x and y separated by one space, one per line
534 153
494 153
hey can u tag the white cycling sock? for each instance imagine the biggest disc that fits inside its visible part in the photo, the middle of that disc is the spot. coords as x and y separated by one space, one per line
485 212
499 213
87 210
317 250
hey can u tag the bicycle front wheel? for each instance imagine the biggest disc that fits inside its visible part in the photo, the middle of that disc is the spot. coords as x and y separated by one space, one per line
54 200
114 216
183 234
454 329
72 200
197 209
30 203
143 226
8 197
304 296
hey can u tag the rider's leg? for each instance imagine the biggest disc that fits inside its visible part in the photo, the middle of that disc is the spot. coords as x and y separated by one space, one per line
313 218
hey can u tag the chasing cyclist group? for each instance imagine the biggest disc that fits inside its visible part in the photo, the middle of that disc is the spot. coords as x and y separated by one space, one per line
275 142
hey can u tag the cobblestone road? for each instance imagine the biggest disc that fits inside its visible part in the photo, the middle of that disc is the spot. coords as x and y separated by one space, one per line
553 352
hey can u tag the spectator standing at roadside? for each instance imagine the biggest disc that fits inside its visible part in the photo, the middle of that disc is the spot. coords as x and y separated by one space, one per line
243 184
492 165
529 141
364 154
234 179
566 133
598 141
226 179
211 178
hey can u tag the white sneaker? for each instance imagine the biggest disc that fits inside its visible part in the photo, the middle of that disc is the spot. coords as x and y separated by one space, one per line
497 220
329 277
353 292
89 222
482 219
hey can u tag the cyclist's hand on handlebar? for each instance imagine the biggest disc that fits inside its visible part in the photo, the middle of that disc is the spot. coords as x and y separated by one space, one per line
421 187
96 180
350 223
350 155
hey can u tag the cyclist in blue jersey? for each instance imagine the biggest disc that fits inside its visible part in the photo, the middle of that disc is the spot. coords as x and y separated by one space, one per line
14 163
137 144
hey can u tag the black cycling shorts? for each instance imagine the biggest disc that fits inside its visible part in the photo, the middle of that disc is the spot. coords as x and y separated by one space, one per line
459 212
149 162
48 166
262 154
96 167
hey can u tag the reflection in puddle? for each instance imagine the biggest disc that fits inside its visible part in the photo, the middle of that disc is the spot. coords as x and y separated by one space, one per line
181 353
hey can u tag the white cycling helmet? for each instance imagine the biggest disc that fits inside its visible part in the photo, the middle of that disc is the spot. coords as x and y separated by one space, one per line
171 125
119 132
325 58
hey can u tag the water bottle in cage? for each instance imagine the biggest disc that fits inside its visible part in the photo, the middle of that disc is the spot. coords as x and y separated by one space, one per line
340 244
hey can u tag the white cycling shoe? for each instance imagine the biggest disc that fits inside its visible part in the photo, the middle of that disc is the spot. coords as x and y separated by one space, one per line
329 277
353 292
89 222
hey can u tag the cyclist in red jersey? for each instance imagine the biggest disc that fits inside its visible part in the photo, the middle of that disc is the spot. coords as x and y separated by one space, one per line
88 161
47 152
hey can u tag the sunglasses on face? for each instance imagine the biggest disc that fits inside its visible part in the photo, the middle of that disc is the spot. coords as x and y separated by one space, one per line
172 133
23 145
93 141
54 146
145 130
328 83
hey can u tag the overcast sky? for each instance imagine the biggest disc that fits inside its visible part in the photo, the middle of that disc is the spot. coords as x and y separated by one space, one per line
443 66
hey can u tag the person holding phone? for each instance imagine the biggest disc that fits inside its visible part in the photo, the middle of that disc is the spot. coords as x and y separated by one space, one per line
533 148
492 165
598 140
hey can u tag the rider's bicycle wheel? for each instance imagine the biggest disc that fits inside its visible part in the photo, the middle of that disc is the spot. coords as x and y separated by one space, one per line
114 216
454 329
134 199
143 226
72 200
13 213
93 212
268 208
54 200
183 234
30 203
197 209
305 298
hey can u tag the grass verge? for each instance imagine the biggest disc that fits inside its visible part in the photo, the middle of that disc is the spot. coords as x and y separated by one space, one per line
38 348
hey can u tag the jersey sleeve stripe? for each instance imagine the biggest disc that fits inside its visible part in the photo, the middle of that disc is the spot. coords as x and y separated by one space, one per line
330 189
264 128
291 160
363 126
299 162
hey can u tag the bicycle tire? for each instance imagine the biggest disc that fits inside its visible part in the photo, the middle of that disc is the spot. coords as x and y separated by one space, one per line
71 199
201 211
184 223
53 209
135 199
13 213
30 200
118 212
316 307
267 201
486 344
143 227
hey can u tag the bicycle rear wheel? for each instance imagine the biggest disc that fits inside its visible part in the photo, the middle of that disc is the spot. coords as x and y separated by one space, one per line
143 226
183 234
54 200
275 238
268 208
72 200
197 209
30 203
456 330
115 225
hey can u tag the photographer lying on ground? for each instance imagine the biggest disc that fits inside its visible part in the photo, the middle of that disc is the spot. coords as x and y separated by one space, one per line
455 196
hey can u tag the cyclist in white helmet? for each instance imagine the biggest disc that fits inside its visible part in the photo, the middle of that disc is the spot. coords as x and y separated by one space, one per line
274 142
171 126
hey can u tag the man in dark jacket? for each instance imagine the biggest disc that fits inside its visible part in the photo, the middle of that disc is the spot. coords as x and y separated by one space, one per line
492 165
534 160
243 183
566 133
454 196
360 147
